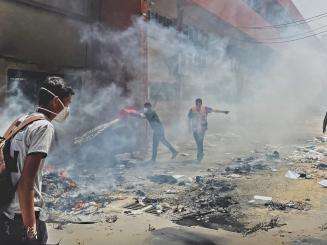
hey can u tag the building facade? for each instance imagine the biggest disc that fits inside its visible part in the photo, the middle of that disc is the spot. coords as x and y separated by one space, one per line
220 32
42 37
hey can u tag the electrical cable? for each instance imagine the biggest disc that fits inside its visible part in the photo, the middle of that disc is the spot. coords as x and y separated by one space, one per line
286 41
312 31
285 25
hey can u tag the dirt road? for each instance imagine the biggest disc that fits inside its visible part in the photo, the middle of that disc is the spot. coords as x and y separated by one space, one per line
301 226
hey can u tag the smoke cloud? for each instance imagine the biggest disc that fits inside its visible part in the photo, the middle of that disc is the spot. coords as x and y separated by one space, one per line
268 101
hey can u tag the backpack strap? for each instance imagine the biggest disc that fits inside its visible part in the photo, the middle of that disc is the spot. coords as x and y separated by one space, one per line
16 126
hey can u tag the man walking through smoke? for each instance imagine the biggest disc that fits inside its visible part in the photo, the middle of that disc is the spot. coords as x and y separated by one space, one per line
21 220
198 124
158 131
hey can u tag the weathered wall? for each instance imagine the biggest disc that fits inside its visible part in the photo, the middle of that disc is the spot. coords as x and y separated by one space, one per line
35 36
167 8
43 35
118 14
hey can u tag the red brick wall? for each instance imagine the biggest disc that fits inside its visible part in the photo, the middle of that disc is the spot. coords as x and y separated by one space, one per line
118 14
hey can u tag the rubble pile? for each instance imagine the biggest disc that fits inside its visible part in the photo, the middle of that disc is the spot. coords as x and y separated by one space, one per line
209 203
265 226
67 203
253 163
273 205
307 154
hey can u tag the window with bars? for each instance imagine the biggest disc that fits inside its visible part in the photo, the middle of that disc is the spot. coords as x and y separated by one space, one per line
195 35
162 20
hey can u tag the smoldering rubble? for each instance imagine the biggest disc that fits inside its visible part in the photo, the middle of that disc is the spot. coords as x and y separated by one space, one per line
211 200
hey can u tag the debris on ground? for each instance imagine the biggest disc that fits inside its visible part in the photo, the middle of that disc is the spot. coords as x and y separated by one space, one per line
265 226
146 205
323 183
260 200
303 206
273 156
163 179
321 166
292 175
66 203
247 165
209 203
306 154
151 228
111 219
297 175
323 227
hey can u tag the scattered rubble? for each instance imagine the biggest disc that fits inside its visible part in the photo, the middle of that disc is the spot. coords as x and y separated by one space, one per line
163 179
321 165
66 203
111 219
304 206
151 228
265 226
297 175
273 156
323 227
260 200
209 203
323 183
253 163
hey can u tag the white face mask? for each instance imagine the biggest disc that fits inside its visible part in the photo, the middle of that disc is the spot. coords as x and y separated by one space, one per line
63 114
145 110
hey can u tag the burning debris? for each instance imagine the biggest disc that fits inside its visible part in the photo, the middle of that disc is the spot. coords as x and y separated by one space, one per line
66 203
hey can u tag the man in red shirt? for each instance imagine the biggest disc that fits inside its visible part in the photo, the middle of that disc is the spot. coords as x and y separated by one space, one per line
199 124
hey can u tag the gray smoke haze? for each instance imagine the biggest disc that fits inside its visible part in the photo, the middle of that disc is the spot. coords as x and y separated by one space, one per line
266 104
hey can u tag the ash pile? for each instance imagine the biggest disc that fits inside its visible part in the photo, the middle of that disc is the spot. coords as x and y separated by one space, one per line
65 202
211 203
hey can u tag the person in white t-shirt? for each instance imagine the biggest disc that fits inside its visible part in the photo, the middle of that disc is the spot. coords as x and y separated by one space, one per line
20 223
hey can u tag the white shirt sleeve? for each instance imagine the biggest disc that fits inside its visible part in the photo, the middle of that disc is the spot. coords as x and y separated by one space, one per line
41 139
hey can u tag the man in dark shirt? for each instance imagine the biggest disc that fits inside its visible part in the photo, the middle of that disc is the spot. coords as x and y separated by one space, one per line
199 124
158 131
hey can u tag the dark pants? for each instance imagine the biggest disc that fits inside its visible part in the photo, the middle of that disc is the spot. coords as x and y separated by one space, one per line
159 135
13 232
199 138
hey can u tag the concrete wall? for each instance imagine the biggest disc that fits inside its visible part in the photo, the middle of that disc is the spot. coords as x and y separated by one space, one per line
35 36
43 35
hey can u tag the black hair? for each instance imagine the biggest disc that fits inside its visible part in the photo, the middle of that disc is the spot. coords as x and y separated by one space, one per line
57 86
147 104
198 100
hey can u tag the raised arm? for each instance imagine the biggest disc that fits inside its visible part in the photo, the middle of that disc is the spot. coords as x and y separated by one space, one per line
220 111
209 110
